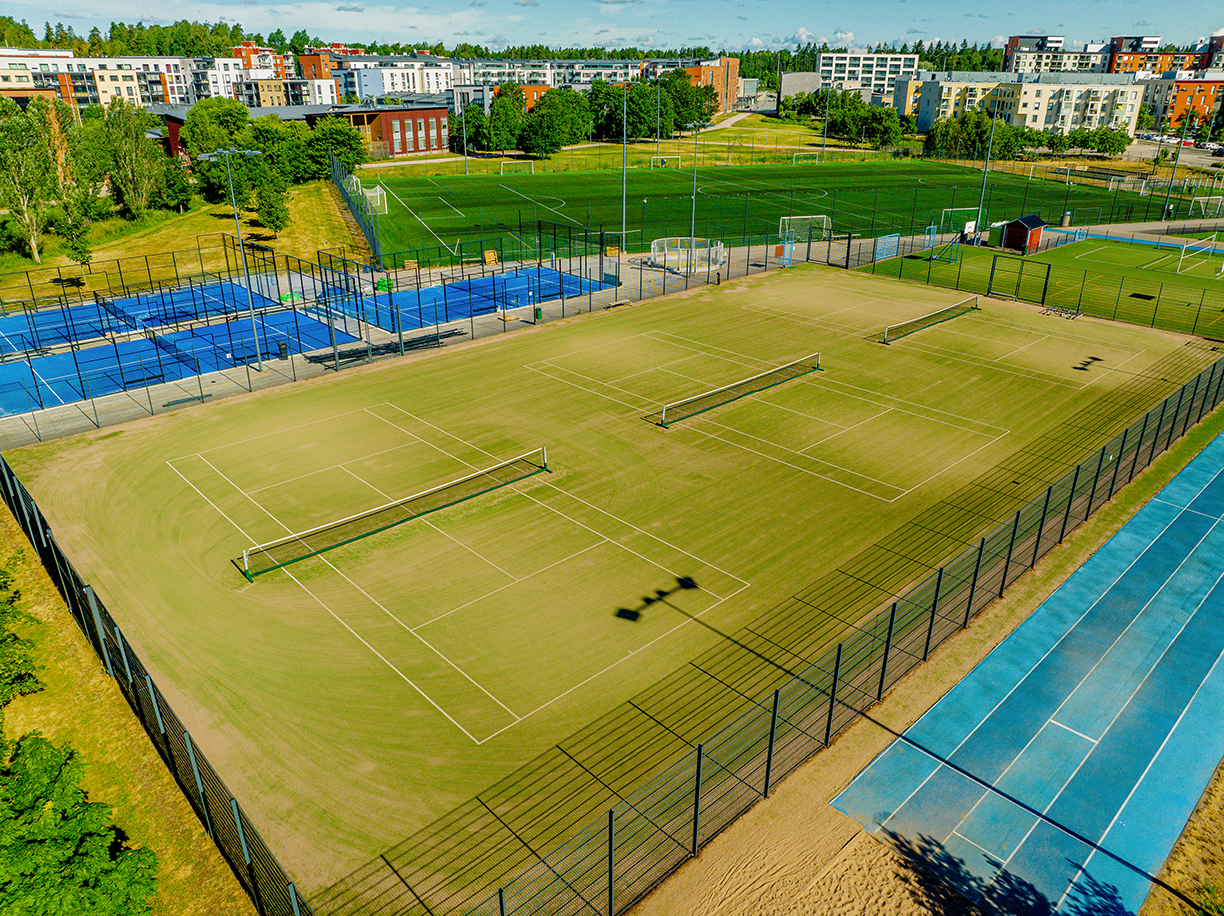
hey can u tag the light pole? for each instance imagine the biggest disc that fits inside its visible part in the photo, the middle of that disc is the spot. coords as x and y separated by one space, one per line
463 120
696 128
994 116
1176 158
624 157
249 153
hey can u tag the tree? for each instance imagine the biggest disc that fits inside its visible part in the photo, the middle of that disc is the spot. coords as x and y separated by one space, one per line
506 116
468 126
337 136
272 206
1145 119
561 117
276 38
214 124
137 162
18 671
56 845
175 191
883 127
1057 142
30 168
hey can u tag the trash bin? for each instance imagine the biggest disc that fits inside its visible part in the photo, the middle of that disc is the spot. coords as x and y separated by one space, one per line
1066 220
539 313
284 350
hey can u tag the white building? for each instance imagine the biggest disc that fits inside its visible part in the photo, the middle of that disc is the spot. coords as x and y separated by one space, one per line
83 81
1046 54
875 74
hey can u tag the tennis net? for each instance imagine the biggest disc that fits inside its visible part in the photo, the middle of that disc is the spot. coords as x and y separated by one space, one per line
119 314
177 352
263 558
897 331
690 407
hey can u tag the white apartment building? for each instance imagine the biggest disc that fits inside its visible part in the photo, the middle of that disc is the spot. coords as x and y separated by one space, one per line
1041 101
83 81
1046 54
874 74
217 77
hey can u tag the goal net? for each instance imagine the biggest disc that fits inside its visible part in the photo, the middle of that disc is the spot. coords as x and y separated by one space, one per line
805 228
806 156
886 246
1207 206
690 407
957 219
1194 254
686 255
263 558
376 199
512 168
665 162
905 328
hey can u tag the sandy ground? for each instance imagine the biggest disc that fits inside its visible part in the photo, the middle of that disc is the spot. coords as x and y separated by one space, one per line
794 854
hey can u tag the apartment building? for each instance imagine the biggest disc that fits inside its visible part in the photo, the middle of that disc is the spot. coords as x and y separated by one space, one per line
254 57
1142 54
218 77
83 81
271 92
1200 92
1041 101
876 73
1047 54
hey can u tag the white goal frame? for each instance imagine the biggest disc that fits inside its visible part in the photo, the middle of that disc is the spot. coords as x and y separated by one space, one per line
661 162
687 256
376 199
796 228
944 221
1205 247
1203 202
530 163
813 152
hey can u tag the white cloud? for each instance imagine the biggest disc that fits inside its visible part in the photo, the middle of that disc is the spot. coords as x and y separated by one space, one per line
802 36
756 43
843 37
526 3
1217 33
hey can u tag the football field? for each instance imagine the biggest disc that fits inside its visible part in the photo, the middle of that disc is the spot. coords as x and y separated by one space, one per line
361 696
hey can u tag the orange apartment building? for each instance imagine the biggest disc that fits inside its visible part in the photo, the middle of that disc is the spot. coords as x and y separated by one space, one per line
723 76
254 57
1172 98
1131 54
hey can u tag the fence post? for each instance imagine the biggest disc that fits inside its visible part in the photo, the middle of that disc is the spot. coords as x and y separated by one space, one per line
1190 403
696 802
501 901
977 568
1045 508
1198 312
1121 451
97 622
833 695
246 856
123 655
1010 548
1206 393
1138 447
293 900
1181 395
926 650
773 730
611 861
1070 499
1096 478
195 769
892 618
1156 435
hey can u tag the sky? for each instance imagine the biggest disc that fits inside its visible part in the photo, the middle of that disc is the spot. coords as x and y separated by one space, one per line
729 24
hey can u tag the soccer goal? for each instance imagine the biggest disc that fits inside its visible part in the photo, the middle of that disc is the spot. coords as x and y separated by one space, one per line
1207 206
905 328
263 558
518 166
886 246
665 162
686 255
1194 254
690 407
815 228
805 156
376 199
957 219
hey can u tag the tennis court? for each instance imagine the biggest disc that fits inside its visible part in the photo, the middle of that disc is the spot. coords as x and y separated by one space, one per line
464 298
75 375
1063 768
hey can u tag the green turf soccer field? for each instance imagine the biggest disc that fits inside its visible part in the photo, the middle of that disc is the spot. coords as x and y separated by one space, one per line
1137 283
353 699
733 202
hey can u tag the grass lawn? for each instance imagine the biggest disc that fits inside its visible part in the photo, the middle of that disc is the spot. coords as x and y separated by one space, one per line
550 643
1136 283
733 203
121 247
82 706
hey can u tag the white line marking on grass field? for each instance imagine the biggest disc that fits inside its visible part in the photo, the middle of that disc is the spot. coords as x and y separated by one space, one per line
332 467
452 206
370 597
278 432
421 221
323 605
545 206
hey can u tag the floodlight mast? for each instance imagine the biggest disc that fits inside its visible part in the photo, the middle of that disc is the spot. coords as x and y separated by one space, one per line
249 153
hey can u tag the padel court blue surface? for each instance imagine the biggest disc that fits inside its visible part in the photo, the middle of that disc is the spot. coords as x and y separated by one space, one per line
62 378
1071 757
26 331
462 299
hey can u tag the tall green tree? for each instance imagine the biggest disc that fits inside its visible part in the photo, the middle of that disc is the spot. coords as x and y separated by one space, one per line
175 191
506 116
271 195
561 117
338 136
31 168
137 163
468 126
214 124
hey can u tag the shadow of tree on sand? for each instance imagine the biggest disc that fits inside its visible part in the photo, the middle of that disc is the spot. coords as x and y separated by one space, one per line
943 885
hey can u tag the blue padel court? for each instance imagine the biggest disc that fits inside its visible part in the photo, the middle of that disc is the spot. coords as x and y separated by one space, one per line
1072 756
462 299
74 375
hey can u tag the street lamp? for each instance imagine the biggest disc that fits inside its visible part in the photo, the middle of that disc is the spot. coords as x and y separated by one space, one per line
463 119
695 126
249 153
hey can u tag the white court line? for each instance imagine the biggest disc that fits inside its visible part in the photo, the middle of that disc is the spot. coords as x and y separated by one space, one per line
278 432
545 206
45 385
1035 375
1074 732
323 605
421 221
332 467
637 409
371 598
844 429
452 206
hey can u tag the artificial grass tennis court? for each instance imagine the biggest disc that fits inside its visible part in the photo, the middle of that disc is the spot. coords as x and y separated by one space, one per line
1132 282
383 697
733 202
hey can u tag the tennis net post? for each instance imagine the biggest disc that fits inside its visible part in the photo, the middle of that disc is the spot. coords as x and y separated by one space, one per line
905 328
690 407
293 548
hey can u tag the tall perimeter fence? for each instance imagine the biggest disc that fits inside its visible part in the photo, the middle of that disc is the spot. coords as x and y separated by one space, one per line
227 824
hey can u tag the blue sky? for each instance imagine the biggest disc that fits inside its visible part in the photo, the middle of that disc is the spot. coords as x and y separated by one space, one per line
732 24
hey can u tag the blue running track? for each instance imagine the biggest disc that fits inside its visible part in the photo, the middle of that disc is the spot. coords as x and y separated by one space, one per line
1071 757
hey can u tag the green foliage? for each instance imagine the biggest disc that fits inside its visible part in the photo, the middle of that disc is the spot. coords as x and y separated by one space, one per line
506 116
31 151
136 161
214 124
469 125
18 671
1210 901
338 136
175 191
58 853
15 34
270 195
560 118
